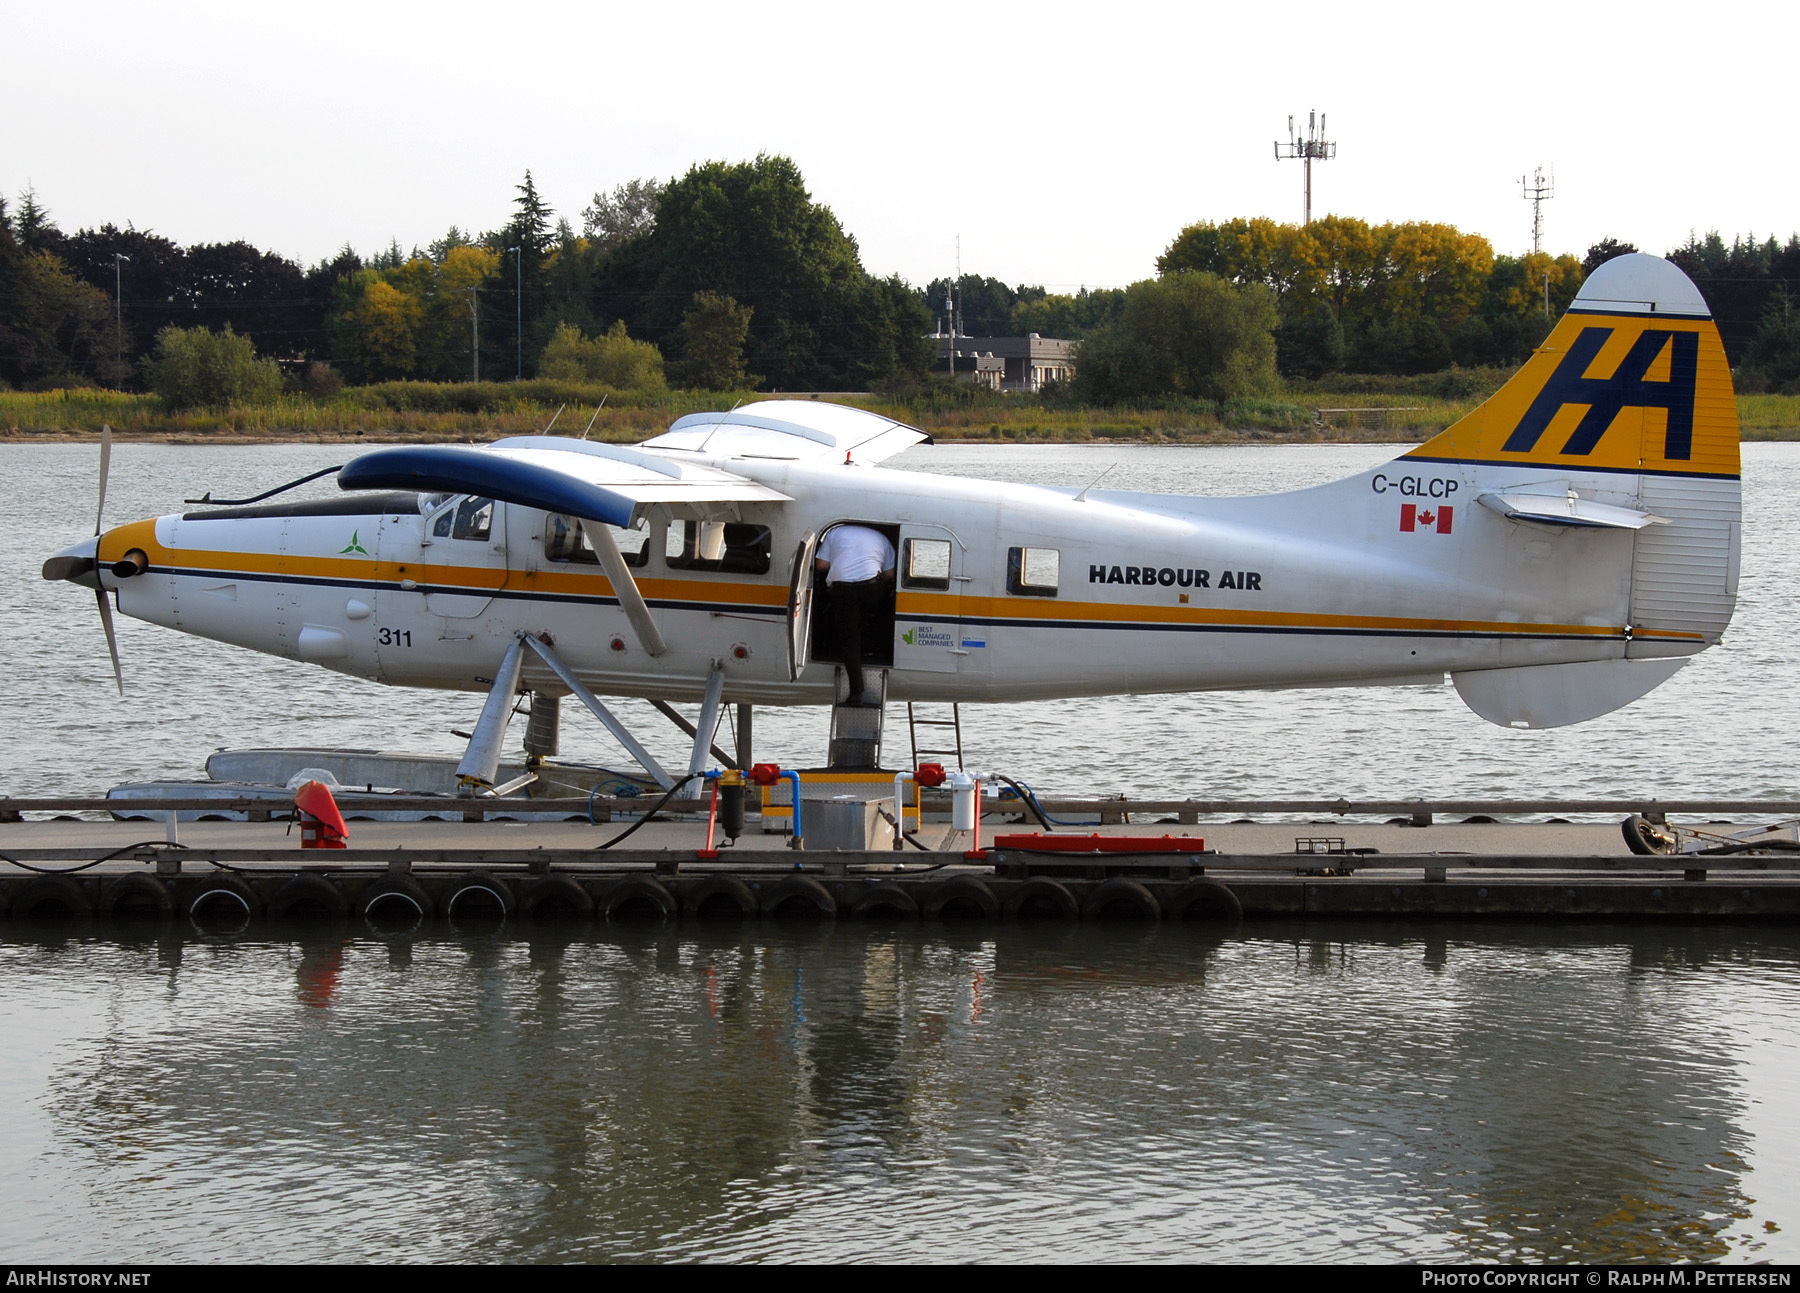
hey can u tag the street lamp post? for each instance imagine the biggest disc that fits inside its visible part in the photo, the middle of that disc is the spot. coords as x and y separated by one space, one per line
119 258
519 321
474 330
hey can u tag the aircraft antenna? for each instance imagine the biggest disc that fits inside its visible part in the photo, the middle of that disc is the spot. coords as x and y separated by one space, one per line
1537 191
1082 496
1313 147
595 418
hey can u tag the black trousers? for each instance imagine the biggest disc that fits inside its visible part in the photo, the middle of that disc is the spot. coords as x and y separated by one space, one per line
850 607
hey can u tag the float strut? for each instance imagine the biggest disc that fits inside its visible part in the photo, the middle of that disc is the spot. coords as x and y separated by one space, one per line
481 764
709 720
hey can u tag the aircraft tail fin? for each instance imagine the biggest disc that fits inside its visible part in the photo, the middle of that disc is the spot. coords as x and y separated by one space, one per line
1623 419
1631 388
1632 379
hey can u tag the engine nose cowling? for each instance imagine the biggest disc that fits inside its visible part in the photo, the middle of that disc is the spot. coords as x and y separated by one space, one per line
78 564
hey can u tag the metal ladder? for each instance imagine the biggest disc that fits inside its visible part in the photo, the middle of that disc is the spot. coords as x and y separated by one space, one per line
954 723
856 729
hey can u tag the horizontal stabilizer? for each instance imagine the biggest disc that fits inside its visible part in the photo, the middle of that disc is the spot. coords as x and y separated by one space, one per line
789 430
1568 509
595 482
1553 695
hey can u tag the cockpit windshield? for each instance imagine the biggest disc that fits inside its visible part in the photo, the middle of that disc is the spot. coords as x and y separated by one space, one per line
471 518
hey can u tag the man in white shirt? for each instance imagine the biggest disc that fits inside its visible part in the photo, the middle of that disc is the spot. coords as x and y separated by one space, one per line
857 564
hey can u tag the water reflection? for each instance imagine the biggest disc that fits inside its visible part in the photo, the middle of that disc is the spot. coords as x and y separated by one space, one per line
1382 1093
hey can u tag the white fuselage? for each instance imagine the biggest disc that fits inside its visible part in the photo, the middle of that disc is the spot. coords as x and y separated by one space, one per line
1364 580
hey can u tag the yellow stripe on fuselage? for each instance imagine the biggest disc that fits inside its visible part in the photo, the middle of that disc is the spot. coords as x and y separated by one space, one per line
473 580
1009 611
996 610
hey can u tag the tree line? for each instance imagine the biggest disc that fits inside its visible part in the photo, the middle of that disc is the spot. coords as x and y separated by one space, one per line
1343 296
731 274
732 277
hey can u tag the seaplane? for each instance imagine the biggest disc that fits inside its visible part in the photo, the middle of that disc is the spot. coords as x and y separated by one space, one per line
1557 553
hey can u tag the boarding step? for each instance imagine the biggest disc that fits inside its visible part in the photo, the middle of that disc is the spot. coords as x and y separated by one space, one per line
936 729
856 729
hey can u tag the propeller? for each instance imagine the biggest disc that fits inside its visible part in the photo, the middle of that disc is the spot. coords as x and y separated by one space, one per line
105 467
106 618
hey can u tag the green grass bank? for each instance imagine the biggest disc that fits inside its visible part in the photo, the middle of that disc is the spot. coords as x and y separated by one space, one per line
1369 409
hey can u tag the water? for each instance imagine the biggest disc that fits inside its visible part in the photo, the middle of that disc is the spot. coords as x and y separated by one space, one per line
1328 1092
1375 1093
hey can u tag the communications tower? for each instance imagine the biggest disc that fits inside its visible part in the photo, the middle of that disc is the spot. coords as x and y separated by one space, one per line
1538 191
1314 145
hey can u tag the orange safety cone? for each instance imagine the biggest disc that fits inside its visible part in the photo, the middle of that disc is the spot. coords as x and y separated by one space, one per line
321 824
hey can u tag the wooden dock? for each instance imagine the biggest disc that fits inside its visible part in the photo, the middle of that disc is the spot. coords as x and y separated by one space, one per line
1411 862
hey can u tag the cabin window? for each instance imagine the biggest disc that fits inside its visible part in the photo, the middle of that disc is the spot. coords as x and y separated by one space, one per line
725 546
1033 572
474 518
565 540
927 563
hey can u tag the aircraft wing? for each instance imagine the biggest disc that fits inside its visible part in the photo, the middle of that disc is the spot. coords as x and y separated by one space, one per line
788 430
597 482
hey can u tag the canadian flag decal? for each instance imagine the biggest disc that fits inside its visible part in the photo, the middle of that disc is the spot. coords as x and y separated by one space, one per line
1413 517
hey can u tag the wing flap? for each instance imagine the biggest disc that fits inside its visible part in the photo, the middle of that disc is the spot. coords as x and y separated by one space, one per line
789 430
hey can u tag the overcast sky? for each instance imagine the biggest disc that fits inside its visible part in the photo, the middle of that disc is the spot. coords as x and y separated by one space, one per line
1066 143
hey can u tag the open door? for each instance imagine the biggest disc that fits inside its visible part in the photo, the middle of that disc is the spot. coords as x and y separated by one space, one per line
800 605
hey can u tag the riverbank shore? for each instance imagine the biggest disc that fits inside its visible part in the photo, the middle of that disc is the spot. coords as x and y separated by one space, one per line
1311 417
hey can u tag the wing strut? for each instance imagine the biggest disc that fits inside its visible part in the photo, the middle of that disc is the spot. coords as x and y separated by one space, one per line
624 587
620 732
674 715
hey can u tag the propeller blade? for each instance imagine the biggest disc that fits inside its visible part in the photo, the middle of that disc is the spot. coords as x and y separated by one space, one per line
112 641
105 466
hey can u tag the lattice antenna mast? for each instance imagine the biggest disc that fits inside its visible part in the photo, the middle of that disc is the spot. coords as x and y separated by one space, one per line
1314 146
1537 191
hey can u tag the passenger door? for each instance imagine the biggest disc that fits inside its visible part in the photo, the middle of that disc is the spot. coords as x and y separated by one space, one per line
800 605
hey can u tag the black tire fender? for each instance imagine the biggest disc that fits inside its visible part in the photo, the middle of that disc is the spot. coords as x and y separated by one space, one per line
1026 901
226 891
717 890
384 893
884 898
640 889
308 897
808 893
40 896
957 895
1105 900
135 892
480 882
563 894
1205 898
